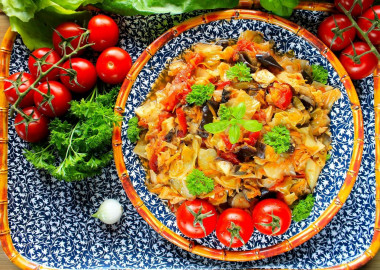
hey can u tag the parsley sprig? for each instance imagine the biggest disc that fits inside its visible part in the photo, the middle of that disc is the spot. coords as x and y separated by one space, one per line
303 208
198 183
133 131
200 93
320 74
232 117
240 71
278 138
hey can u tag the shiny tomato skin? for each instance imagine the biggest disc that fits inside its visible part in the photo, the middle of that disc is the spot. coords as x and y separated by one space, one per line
86 75
37 131
104 32
241 219
60 102
51 59
347 4
367 64
185 219
326 35
262 214
67 30
364 24
113 65
11 93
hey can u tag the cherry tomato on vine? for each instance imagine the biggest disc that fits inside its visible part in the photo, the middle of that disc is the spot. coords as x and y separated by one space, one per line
34 131
24 80
234 227
330 24
52 58
347 4
113 65
367 65
365 24
196 218
272 216
60 98
85 75
68 30
104 32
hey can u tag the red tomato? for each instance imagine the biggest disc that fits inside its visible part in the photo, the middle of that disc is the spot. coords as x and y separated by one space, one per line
347 4
67 30
365 24
25 80
60 98
272 216
234 227
253 137
52 58
113 65
197 218
326 34
229 156
367 63
182 119
36 130
85 72
104 32
281 94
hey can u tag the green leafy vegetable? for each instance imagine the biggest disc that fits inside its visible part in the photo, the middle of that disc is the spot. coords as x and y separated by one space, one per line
231 117
278 138
133 131
200 93
80 145
198 183
320 74
282 8
328 156
240 71
303 208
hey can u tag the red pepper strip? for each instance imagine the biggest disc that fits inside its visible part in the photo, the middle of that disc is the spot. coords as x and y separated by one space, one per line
221 85
227 142
253 137
153 163
229 156
182 120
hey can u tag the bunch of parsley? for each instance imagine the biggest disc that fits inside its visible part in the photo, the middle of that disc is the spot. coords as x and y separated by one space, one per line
79 145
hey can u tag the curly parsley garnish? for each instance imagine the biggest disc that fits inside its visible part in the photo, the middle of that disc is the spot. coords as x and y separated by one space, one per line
278 138
198 183
303 208
133 131
200 93
320 74
240 71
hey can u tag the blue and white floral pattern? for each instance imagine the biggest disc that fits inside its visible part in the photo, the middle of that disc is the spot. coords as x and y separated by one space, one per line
51 220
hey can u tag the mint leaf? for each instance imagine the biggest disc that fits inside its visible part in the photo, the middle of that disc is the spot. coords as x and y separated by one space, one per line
252 125
217 127
234 133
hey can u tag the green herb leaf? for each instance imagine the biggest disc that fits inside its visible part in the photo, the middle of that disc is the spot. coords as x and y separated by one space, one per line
133 131
240 71
200 94
303 208
217 127
278 138
234 133
328 156
320 74
224 112
238 111
198 183
252 125
282 8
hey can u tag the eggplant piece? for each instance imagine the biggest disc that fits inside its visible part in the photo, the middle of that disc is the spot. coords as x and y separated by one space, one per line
291 149
307 102
244 57
266 194
246 153
308 78
207 117
260 149
225 96
225 42
214 105
169 136
268 61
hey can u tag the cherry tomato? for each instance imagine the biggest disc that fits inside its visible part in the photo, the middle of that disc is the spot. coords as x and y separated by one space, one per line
104 32
281 94
367 63
85 75
68 30
36 130
234 227
326 34
52 58
347 4
196 218
25 80
272 217
365 24
61 97
113 65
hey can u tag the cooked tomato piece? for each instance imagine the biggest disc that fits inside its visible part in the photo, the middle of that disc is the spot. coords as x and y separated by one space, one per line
281 95
182 119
